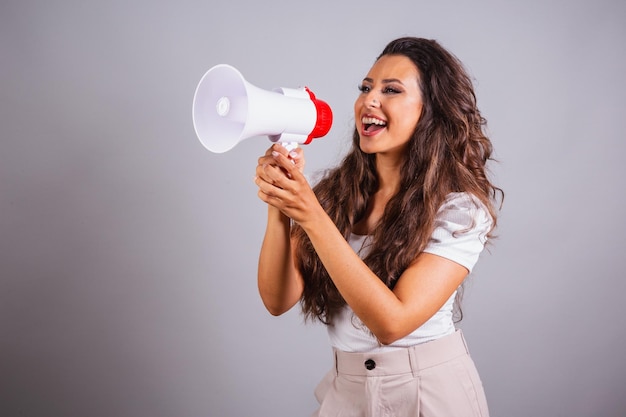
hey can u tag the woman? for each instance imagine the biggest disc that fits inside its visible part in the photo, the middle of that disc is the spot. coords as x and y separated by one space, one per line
378 249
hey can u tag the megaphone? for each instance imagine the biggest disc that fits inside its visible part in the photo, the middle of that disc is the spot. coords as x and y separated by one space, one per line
227 109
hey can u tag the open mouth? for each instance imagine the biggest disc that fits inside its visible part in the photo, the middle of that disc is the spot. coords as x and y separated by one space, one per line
373 124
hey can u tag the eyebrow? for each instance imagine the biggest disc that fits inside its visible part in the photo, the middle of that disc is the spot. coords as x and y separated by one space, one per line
385 81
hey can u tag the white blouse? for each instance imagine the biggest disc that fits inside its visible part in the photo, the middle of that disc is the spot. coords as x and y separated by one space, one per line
461 213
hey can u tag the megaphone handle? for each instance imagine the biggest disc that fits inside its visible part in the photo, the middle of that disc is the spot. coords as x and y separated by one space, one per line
290 146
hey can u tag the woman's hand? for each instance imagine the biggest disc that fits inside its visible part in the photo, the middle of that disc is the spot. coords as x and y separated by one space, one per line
296 156
282 184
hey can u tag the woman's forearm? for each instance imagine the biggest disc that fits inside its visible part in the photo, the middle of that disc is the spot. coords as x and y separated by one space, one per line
280 286
372 301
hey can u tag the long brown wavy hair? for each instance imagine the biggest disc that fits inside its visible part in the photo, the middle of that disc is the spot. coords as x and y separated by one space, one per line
448 152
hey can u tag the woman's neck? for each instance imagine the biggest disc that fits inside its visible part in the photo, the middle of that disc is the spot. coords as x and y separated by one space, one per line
389 180
389 175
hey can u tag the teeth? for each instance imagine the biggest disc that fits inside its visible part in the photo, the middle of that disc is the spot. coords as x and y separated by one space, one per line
372 121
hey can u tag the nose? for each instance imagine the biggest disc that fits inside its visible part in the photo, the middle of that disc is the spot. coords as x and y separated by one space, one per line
371 101
367 101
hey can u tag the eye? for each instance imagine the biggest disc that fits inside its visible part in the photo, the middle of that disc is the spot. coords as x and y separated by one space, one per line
364 88
391 90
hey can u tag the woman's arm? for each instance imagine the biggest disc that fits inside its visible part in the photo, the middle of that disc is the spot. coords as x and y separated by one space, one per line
280 283
419 293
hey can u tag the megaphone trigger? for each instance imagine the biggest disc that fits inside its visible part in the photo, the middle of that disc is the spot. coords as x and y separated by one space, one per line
227 109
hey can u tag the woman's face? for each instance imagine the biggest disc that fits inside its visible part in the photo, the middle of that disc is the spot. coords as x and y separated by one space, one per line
389 106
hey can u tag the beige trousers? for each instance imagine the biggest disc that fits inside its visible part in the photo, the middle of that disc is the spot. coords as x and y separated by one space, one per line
433 379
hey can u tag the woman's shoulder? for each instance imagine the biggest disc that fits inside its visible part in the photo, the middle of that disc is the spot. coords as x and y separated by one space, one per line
464 210
461 229
462 199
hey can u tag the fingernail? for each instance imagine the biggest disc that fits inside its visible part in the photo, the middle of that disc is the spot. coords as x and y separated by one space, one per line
274 153
293 154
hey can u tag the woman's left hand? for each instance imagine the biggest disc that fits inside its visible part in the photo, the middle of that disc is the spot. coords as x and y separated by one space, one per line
282 184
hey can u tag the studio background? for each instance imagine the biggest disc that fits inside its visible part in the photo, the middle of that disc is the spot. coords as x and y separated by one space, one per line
128 252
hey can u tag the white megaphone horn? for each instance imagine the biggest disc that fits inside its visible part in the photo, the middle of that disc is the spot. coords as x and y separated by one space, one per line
227 109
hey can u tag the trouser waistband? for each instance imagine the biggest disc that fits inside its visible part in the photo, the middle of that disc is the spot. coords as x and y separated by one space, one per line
403 360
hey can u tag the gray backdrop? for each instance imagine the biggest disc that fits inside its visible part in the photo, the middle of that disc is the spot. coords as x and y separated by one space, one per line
128 252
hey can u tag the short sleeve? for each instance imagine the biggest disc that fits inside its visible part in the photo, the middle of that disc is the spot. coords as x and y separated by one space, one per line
461 228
